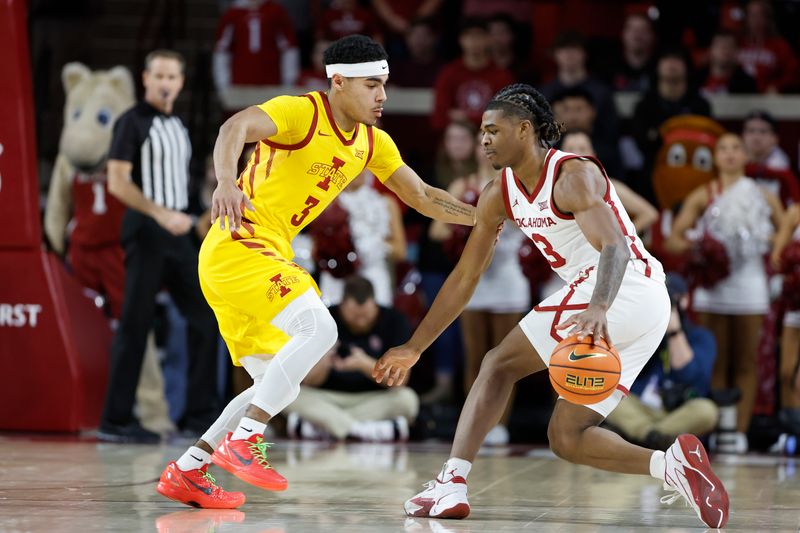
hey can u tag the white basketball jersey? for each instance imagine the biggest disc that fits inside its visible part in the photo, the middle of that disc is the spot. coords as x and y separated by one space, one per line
556 234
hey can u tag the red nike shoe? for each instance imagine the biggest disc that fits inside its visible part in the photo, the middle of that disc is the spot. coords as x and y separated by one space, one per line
688 473
196 488
247 460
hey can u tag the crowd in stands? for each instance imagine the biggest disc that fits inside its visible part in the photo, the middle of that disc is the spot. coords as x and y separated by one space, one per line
389 257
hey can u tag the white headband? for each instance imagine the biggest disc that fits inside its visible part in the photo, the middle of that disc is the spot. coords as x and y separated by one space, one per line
358 70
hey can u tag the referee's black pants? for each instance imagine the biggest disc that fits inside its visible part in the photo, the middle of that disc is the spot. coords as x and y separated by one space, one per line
154 259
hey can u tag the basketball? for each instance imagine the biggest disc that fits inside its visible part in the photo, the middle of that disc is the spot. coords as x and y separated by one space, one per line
584 373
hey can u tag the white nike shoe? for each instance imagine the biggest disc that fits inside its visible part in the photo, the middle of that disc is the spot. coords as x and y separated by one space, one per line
446 499
688 473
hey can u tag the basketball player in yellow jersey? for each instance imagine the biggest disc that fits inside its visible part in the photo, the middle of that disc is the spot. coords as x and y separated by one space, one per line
309 148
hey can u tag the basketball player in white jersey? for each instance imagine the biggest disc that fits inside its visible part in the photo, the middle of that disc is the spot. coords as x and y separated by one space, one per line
569 208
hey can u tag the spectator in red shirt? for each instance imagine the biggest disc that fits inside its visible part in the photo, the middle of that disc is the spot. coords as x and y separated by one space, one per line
315 78
763 53
723 75
346 17
256 45
423 64
466 85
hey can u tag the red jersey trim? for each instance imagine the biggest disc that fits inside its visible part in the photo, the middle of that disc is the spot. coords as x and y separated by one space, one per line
539 184
308 136
565 305
253 169
332 121
635 249
506 200
371 143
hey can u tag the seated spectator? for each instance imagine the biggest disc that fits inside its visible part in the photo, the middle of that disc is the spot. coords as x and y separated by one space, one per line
672 95
508 48
575 108
378 236
346 17
256 45
759 132
737 213
466 85
669 397
339 398
635 68
723 75
642 213
569 53
763 53
422 66
315 78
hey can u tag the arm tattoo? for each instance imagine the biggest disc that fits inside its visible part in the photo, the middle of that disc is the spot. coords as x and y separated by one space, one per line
452 208
610 271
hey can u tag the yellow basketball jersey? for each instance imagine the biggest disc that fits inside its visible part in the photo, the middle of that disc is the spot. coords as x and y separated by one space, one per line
295 174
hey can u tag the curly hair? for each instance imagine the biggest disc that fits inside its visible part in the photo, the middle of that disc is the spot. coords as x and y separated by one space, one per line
354 49
526 103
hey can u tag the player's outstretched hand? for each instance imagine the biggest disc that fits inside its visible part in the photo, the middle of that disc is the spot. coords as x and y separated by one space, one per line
227 201
395 364
589 323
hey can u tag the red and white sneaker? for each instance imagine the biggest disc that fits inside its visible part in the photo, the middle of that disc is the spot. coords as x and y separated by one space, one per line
247 460
688 473
440 499
196 488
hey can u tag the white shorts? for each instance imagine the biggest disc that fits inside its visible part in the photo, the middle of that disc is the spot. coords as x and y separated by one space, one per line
637 321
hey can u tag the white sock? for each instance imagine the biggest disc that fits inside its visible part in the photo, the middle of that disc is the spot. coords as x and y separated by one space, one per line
247 427
193 459
455 467
658 464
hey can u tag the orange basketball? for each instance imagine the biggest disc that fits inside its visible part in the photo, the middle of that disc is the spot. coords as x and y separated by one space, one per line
582 372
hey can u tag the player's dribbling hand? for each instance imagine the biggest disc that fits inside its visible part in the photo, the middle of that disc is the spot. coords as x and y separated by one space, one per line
227 201
395 364
589 323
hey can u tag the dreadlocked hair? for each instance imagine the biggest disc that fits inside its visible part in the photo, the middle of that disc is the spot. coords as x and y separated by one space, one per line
525 102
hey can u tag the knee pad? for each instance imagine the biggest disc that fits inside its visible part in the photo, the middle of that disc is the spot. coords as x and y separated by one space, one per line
276 390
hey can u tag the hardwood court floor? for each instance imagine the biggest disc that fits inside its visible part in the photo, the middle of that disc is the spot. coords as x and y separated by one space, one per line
70 485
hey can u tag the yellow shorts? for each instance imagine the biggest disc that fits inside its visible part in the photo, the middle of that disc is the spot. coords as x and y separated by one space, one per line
247 283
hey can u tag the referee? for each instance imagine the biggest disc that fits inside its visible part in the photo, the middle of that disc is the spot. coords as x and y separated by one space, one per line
148 170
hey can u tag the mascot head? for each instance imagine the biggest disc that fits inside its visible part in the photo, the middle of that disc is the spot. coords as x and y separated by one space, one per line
94 101
685 160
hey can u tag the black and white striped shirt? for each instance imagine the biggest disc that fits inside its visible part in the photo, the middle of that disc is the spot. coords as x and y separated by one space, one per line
158 147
